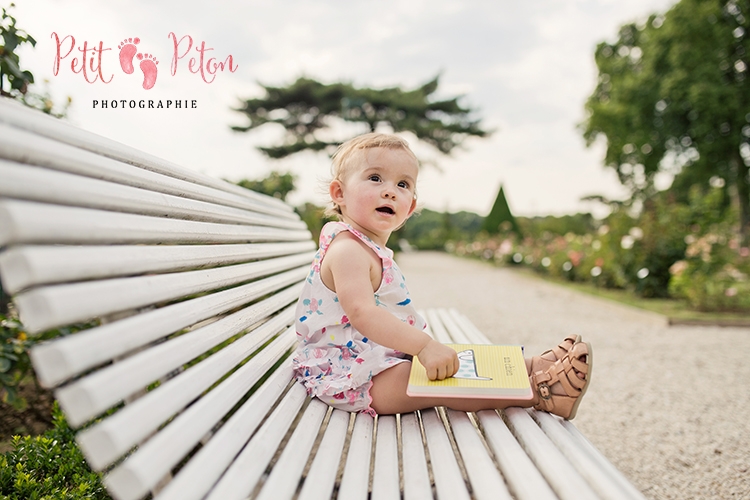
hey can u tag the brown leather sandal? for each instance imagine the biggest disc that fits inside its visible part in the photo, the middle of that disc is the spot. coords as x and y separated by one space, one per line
563 347
578 359
540 363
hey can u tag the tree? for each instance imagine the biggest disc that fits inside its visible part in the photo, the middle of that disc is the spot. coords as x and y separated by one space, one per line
673 95
276 184
500 218
18 79
308 107
14 81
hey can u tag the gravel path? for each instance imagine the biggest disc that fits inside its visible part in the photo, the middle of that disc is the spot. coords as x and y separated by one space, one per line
668 405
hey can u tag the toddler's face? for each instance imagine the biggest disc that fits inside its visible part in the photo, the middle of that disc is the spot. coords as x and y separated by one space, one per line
378 196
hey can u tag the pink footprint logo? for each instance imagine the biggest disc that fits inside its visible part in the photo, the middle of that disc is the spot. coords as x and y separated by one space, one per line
148 66
127 51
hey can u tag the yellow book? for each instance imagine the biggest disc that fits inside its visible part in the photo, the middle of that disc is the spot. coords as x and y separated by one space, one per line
486 372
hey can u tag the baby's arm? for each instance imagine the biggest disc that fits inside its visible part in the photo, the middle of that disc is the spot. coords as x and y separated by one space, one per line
350 263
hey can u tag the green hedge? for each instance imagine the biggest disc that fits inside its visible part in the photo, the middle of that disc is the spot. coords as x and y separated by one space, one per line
46 467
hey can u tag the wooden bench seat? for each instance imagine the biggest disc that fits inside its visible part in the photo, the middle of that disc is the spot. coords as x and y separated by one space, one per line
182 386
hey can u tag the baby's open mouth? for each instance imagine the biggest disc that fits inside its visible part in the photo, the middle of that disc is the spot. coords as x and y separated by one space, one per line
385 210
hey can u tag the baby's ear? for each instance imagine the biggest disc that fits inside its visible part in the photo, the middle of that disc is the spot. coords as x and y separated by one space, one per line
336 191
413 206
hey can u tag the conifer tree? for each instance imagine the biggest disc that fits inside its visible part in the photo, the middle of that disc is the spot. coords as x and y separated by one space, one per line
308 107
500 218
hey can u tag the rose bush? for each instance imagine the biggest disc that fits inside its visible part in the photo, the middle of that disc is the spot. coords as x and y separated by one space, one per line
689 250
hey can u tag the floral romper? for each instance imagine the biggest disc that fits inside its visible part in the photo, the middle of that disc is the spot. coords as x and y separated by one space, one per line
333 360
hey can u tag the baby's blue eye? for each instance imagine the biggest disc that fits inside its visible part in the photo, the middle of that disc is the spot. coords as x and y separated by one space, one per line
403 184
375 178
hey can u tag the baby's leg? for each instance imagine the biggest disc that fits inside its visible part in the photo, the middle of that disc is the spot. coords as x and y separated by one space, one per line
388 393
561 395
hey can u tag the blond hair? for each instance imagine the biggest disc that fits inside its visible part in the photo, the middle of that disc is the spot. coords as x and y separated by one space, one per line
349 156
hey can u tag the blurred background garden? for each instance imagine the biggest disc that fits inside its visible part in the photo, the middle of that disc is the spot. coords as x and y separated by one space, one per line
671 102
669 110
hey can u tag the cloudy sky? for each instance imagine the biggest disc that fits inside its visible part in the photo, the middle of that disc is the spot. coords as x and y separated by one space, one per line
526 67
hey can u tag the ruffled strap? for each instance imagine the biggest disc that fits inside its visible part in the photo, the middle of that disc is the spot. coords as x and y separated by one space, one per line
331 229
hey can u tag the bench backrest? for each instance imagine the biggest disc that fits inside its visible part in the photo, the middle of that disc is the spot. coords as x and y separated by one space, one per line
190 282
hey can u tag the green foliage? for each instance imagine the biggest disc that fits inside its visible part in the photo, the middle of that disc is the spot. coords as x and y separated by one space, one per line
308 107
276 184
500 218
314 218
690 251
673 94
662 224
713 276
14 81
10 70
14 361
4 300
48 467
425 230
430 230
537 227
15 364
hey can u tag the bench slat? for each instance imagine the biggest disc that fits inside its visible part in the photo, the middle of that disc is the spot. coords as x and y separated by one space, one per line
416 474
449 481
584 463
144 468
39 124
22 147
54 362
470 331
385 481
456 332
43 185
436 327
106 441
486 481
357 467
29 222
197 477
246 470
618 480
325 464
48 307
98 391
523 478
559 473
283 480
26 266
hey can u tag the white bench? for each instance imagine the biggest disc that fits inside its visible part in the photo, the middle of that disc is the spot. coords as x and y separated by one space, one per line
184 388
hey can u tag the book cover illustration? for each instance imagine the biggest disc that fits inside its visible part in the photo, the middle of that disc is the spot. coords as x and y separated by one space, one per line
468 366
485 371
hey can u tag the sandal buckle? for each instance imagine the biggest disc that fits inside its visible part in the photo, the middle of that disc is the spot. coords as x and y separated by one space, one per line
544 391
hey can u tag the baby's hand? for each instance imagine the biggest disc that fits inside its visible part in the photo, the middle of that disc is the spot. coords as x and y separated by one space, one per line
439 360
